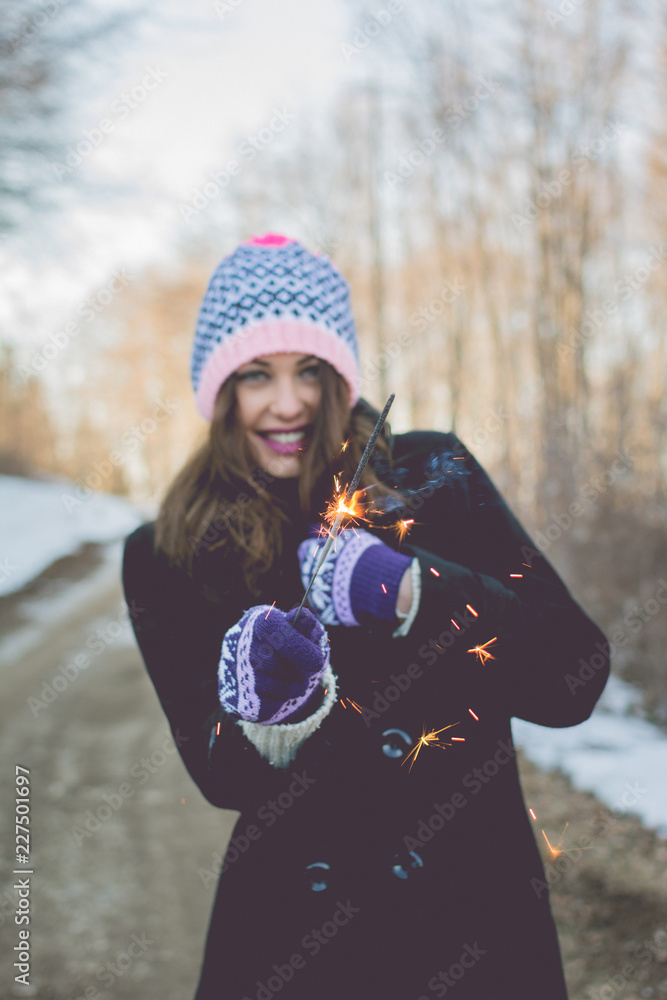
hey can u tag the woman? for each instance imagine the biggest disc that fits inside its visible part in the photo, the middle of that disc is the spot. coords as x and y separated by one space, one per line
365 862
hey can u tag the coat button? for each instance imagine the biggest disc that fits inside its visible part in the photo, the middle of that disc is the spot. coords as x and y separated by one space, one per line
396 743
317 876
405 863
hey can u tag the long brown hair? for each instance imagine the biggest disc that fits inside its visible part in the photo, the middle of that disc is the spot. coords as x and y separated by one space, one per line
219 498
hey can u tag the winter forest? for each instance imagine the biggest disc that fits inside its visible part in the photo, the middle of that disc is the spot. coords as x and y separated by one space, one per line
492 180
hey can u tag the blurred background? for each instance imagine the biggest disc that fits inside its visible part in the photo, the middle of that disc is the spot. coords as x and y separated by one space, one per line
492 180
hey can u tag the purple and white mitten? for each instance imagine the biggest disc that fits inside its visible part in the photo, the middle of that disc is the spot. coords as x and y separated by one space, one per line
270 669
359 579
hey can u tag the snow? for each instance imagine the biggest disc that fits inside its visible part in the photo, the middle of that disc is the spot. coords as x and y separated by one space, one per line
619 757
45 520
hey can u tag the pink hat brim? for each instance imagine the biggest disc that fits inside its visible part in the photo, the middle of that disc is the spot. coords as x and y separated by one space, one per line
279 336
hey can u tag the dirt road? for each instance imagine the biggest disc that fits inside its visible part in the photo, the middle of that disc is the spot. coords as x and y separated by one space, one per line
117 906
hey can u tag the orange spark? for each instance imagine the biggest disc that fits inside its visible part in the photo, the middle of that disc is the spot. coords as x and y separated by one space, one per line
519 576
455 624
427 739
532 814
472 610
383 587
217 730
355 706
475 717
527 564
352 509
458 739
269 611
557 850
402 528
342 703
434 571
482 652
345 445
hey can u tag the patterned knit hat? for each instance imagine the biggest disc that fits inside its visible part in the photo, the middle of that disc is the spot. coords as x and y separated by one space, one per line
272 296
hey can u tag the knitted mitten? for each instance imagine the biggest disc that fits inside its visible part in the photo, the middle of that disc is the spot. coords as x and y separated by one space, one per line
270 669
359 579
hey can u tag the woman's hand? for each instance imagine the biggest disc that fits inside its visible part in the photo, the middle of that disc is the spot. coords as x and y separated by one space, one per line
359 580
270 669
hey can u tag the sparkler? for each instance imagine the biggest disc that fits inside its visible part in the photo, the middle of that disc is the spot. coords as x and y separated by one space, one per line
428 739
342 508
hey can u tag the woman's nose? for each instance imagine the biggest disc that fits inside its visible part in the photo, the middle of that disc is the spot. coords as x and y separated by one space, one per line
287 402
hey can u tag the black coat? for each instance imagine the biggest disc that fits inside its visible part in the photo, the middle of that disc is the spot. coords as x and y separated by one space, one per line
434 885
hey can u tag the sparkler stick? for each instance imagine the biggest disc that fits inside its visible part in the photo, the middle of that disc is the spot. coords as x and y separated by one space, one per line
349 493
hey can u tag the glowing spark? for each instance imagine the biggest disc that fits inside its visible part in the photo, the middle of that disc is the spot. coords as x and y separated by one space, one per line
527 564
475 717
455 624
532 814
434 571
427 739
342 703
472 610
458 739
482 652
383 587
345 445
269 611
217 730
355 706
557 850
326 692
519 576
338 508
402 528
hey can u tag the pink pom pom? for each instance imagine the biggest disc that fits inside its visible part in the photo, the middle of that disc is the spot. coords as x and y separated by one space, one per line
270 240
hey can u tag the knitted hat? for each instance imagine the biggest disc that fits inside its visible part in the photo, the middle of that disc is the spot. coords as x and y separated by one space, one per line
272 296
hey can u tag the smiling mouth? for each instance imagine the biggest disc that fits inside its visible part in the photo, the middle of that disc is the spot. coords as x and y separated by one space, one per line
286 442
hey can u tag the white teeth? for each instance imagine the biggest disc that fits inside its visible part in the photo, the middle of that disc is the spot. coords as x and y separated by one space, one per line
289 437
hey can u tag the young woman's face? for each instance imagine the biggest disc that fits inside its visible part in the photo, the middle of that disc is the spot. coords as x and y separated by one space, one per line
277 397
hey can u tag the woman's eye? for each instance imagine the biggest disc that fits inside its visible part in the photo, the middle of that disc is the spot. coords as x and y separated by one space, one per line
252 376
312 371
